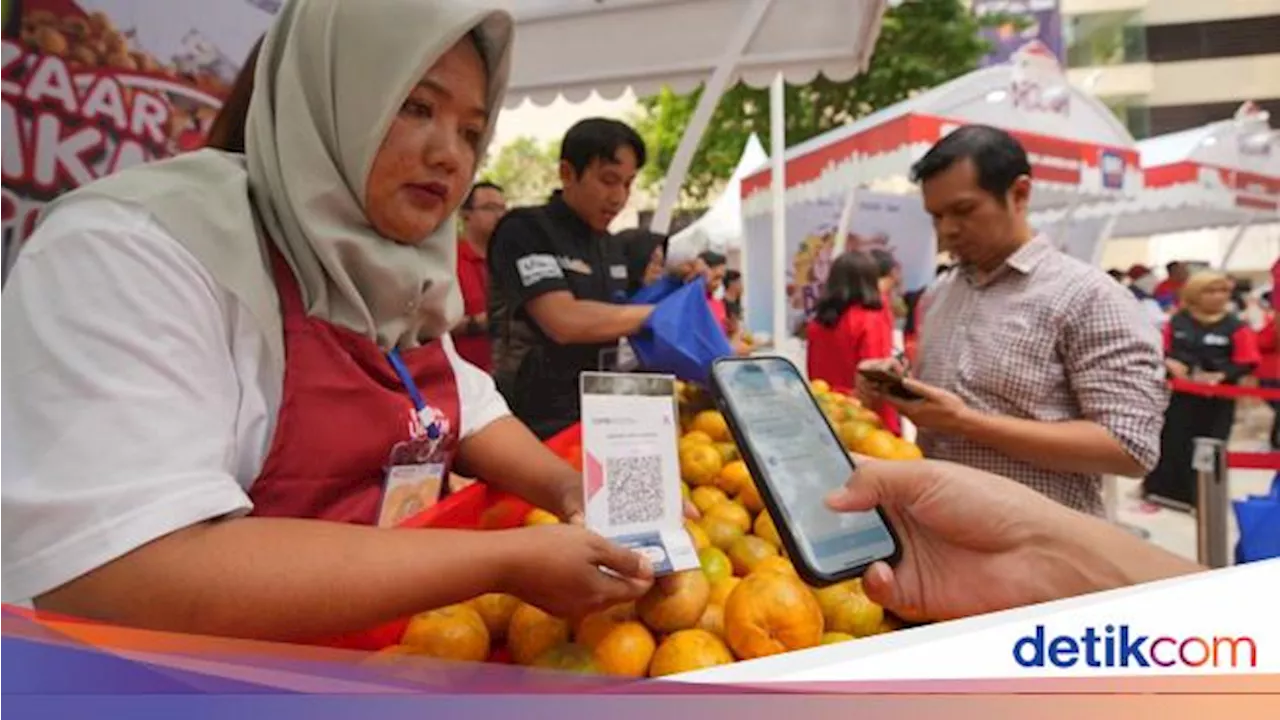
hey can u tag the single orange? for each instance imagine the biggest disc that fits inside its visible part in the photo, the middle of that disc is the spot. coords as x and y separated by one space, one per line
626 650
770 613
496 610
675 602
734 477
712 423
706 496
721 531
733 512
456 632
533 632
749 551
689 650
700 464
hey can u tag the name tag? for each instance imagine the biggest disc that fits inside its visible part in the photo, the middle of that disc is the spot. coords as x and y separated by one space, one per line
619 272
409 490
1218 340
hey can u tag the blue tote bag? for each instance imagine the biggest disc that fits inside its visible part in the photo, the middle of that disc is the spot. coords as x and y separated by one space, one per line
681 337
1258 517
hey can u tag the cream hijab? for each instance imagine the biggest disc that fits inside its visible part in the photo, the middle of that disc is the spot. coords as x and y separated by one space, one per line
331 77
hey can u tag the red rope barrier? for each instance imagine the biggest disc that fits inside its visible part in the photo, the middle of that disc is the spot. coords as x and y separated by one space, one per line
1223 391
1254 460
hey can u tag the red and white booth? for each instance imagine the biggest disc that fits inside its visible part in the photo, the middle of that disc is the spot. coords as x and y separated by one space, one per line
1080 154
1222 175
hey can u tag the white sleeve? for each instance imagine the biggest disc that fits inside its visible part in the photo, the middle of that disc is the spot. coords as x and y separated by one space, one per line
120 396
479 402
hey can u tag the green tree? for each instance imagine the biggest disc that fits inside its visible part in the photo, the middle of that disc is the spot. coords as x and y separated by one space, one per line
526 169
922 43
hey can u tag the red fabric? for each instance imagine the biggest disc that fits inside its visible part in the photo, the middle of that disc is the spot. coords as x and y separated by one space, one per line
343 410
1269 348
886 307
473 280
1167 332
1244 346
720 313
835 352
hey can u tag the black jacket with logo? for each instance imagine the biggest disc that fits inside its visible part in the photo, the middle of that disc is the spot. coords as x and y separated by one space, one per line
535 251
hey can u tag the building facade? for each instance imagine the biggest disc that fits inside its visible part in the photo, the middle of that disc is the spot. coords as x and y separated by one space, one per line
1169 65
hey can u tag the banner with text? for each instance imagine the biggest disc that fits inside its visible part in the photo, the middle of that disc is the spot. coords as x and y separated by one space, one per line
93 86
897 223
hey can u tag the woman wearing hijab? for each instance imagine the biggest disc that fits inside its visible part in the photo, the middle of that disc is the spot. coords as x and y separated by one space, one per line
646 254
227 369
1206 344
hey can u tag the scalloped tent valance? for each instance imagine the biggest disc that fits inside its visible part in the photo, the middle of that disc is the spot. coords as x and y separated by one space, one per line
571 48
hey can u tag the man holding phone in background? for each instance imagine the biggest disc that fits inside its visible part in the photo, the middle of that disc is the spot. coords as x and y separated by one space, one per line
1032 365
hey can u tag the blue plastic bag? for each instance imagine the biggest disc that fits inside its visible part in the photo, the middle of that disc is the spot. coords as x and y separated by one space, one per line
682 337
656 292
1258 518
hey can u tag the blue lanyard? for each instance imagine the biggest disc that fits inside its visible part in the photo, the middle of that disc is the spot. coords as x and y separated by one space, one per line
406 379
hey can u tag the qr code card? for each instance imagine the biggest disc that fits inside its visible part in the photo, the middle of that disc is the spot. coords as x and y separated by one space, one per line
631 469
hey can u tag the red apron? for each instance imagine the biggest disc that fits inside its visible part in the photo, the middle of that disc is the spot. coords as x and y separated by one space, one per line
342 411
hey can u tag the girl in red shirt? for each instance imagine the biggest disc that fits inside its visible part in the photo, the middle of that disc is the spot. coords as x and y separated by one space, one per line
849 325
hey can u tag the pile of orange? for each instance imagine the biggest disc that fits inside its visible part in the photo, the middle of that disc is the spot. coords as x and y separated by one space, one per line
745 602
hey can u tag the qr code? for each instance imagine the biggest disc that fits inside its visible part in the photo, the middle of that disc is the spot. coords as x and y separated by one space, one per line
635 489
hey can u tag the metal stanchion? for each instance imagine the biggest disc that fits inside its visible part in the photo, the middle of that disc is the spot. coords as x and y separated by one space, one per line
1213 500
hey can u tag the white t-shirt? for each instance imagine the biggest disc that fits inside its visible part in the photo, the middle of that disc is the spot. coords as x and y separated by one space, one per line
137 397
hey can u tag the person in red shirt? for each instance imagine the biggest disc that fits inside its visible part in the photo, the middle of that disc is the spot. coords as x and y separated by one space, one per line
481 211
1169 289
1268 371
849 325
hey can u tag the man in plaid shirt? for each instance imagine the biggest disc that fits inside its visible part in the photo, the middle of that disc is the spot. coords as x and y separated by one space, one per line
1032 365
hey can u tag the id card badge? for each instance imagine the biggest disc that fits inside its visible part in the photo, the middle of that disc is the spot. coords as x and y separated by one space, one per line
416 469
631 469
408 490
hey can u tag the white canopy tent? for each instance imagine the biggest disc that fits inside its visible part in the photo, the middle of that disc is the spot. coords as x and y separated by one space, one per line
570 48
1080 153
1222 175
720 227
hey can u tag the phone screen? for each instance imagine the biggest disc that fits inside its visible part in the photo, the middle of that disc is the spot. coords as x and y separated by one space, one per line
801 461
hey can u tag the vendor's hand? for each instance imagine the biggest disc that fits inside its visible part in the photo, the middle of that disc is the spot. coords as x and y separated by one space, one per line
557 568
971 541
938 410
869 393
690 510
570 508
1177 368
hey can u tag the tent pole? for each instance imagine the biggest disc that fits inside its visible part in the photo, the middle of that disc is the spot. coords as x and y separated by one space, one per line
778 150
1235 242
711 94
1103 236
846 218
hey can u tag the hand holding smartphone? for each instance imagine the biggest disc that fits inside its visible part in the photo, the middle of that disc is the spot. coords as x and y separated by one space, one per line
796 459
888 383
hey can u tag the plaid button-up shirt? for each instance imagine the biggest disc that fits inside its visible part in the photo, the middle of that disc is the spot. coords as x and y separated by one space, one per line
1047 338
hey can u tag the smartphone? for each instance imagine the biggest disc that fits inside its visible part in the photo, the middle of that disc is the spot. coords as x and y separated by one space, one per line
890 383
796 459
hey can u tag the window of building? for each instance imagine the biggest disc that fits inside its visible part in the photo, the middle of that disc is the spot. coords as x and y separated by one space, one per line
1218 39
1102 39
